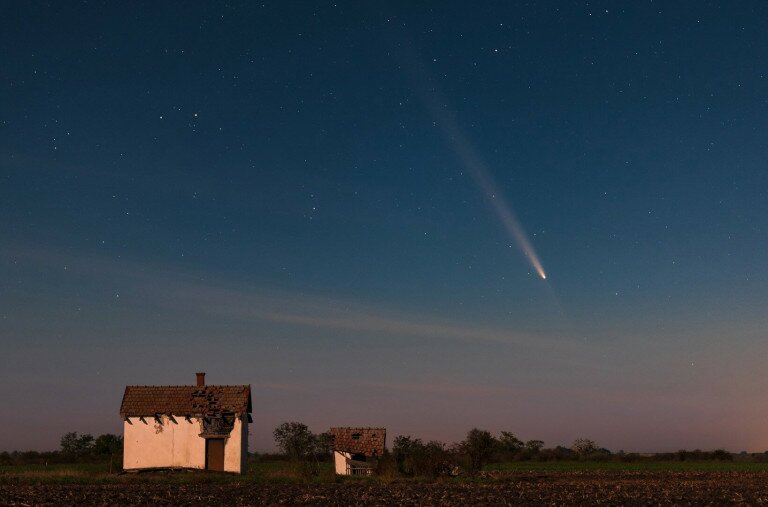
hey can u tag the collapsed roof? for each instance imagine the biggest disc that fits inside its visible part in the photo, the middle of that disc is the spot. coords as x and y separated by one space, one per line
367 441
205 400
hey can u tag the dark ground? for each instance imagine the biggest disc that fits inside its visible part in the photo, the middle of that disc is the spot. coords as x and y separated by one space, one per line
635 488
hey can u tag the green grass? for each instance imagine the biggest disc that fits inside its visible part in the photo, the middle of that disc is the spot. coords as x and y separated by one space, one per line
98 473
277 472
84 468
649 466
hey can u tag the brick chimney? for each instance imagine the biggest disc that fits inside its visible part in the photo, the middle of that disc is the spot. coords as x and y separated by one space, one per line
200 379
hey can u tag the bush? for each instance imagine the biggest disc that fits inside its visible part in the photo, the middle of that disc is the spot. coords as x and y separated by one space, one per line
722 455
387 469
559 453
412 457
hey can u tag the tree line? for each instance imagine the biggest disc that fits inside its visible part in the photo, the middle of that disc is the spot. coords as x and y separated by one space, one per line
412 457
407 457
74 447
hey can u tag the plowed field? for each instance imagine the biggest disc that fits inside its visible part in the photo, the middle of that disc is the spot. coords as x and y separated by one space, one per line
559 488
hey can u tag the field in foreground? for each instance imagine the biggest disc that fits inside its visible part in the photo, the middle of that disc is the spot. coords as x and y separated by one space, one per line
281 471
498 488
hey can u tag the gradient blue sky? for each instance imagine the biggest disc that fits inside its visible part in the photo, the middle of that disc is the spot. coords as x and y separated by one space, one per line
306 197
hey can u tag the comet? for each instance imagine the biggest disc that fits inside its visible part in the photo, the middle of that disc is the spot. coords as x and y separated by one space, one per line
467 154
482 178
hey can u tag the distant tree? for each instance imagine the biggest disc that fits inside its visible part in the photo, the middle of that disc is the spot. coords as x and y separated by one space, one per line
108 444
478 447
534 445
302 446
722 455
69 443
74 445
404 450
323 443
584 447
404 444
413 457
508 442
295 440
436 460
561 453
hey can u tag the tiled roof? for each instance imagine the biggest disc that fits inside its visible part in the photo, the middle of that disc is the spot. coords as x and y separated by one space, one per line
185 400
367 441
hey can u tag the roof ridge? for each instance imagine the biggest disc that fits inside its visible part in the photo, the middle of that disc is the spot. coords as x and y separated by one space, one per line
188 385
358 428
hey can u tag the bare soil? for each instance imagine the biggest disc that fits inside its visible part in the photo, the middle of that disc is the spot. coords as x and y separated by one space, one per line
500 488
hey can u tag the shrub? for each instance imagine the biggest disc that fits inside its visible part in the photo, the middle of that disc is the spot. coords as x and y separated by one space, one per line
412 457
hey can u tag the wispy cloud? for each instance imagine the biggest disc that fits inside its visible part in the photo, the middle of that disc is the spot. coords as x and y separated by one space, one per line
217 295
318 312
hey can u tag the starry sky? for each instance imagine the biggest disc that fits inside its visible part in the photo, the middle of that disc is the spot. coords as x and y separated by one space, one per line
344 204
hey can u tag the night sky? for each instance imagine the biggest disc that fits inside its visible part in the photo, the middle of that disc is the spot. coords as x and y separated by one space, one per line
346 204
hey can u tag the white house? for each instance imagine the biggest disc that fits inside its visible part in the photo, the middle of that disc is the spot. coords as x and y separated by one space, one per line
356 450
200 426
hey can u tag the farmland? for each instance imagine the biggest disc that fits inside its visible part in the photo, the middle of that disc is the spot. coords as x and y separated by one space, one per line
514 483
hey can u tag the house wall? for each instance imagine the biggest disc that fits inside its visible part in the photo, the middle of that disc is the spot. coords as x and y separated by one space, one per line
165 444
244 443
168 444
340 462
236 447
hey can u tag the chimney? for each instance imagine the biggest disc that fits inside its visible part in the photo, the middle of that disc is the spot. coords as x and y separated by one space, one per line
200 379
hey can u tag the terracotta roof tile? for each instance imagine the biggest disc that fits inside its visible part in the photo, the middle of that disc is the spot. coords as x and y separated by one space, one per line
367 441
185 400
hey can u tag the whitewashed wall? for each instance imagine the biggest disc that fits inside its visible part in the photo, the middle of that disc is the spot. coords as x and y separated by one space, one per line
340 461
169 444
236 447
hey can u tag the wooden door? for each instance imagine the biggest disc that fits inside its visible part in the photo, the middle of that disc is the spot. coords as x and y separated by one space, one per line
214 454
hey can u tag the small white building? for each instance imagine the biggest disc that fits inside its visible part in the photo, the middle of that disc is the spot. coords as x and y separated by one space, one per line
197 426
356 451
